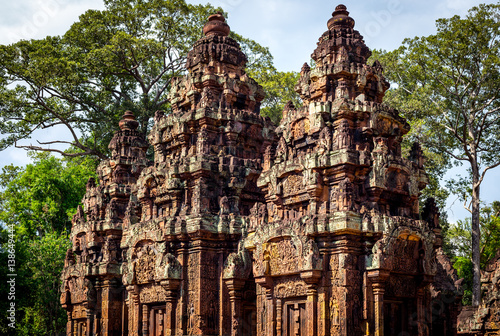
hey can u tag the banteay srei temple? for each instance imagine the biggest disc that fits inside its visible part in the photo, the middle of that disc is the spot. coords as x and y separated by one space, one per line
243 227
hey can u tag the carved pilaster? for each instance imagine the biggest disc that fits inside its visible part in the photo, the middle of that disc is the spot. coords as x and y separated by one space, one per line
378 278
423 330
311 278
88 330
271 322
69 324
267 306
133 311
378 293
279 316
145 320
235 286
171 286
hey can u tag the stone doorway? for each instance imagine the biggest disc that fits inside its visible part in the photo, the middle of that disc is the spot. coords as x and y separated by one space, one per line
156 321
397 315
249 321
294 318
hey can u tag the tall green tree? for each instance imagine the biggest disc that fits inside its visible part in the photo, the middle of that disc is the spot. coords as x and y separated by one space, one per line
41 197
123 57
459 239
37 202
452 81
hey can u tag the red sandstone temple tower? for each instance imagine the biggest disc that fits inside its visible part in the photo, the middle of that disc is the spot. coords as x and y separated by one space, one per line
239 227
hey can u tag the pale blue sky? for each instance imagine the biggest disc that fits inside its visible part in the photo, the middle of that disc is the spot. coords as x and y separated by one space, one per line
290 28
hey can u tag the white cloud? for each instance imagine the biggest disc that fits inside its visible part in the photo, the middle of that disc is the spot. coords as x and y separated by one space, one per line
36 19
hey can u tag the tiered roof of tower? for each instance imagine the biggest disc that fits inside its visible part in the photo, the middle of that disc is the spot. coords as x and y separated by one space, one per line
207 152
97 227
340 152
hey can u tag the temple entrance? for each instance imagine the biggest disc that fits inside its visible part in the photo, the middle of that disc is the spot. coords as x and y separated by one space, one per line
156 322
397 314
294 318
249 321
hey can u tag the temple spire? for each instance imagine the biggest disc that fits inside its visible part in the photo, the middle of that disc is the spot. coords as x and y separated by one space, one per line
216 25
340 17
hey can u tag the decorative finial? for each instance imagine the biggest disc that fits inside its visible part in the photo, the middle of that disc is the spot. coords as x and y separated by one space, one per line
340 17
128 122
216 25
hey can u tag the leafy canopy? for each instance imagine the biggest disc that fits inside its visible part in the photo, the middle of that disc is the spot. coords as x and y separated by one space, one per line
450 82
123 57
37 201
42 197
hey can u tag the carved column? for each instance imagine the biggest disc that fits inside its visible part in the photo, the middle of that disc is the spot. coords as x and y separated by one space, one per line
378 278
88 329
422 326
171 286
235 286
261 310
105 305
311 278
266 283
378 293
183 318
279 312
145 320
133 311
96 324
69 324
270 313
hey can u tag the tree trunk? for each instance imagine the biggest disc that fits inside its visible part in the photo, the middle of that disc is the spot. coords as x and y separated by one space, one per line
476 236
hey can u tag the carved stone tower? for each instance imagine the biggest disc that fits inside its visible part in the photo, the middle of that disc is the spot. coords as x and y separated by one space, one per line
92 290
343 250
239 227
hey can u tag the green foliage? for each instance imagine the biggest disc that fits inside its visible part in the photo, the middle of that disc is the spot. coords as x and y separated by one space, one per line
120 58
448 87
44 314
41 197
280 88
123 57
38 202
464 268
413 109
450 82
459 238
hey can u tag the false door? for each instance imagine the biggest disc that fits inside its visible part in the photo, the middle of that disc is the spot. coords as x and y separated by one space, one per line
294 318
